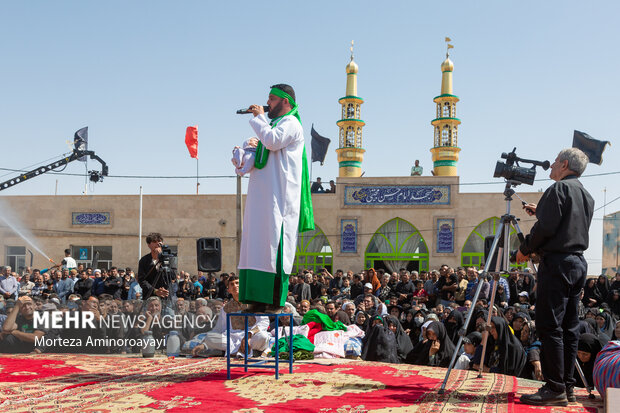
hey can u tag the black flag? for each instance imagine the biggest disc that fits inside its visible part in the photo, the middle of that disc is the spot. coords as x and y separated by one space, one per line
590 146
80 141
319 146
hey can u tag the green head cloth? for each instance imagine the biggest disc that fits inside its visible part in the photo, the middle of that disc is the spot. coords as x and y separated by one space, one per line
282 94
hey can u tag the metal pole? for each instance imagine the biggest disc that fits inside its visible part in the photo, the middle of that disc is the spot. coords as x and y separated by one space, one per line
501 262
239 217
140 228
485 333
197 182
583 377
471 311
506 219
228 346
86 177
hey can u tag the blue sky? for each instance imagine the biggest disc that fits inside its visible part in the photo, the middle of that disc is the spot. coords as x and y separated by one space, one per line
137 73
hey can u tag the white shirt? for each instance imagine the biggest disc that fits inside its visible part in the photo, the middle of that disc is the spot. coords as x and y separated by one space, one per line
69 263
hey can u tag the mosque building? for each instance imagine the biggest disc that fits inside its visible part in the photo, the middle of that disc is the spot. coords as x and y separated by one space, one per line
413 222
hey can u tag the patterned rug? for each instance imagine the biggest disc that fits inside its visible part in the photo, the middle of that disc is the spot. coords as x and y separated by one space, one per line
68 383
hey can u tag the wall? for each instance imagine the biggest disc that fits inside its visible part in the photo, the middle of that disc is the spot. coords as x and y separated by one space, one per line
184 218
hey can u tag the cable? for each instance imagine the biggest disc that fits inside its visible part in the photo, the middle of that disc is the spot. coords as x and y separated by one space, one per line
131 176
603 206
234 237
234 176
31 167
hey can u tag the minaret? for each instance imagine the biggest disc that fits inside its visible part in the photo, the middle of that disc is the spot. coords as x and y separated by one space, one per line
445 149
350 152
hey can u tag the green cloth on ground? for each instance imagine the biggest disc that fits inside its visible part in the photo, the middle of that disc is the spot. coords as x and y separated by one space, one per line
298 355
300 342
326 322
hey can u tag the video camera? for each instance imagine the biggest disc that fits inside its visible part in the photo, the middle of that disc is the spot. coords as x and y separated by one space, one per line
517 174
167 258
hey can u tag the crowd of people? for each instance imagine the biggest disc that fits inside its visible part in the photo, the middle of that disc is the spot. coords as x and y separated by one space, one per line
405 317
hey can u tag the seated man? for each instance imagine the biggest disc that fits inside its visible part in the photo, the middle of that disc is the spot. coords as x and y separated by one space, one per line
18 332
216 338
155 322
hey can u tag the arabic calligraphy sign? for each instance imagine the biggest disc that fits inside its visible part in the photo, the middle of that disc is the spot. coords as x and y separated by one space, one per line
397 195
445 235
90 218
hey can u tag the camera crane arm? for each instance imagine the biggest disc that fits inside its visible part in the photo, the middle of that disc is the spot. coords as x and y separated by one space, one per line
95 176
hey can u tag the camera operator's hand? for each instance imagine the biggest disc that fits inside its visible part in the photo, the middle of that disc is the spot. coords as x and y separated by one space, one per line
522 258
161 292
530 209
257 110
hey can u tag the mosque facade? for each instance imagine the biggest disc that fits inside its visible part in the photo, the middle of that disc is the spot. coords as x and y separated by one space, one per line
413 222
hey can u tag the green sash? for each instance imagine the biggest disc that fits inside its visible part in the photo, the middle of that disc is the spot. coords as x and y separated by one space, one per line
306 214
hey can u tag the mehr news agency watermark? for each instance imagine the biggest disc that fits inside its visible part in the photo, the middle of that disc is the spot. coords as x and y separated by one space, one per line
59 320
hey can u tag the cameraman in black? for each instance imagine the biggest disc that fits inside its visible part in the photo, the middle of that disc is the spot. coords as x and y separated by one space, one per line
152 277
559 237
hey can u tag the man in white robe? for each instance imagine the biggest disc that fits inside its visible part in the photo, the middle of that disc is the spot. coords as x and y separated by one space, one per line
278 190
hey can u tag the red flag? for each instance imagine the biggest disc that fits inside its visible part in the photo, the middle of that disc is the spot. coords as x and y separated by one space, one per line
191 140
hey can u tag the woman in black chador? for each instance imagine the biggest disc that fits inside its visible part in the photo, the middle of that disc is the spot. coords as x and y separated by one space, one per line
436 350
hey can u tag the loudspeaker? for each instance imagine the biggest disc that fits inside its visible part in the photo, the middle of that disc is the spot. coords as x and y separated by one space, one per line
209 254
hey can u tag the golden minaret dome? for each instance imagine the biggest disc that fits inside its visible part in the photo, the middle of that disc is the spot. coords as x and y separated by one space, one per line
352 67
447 65
350 151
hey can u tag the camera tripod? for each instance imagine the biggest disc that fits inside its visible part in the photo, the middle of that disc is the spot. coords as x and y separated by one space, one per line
501 250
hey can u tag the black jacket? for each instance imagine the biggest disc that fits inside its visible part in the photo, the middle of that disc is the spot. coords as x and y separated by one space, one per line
564 215
151 278
83 288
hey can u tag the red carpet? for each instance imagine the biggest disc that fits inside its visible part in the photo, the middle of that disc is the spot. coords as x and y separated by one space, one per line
52 383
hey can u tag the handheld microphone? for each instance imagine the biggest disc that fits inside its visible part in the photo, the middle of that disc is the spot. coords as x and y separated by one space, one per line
244 111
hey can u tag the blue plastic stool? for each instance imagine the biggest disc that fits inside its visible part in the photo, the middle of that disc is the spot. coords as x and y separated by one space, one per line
258 363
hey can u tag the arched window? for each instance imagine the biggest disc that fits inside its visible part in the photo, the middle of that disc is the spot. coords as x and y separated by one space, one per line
397 244
350 110
445 136
473 250
446 110
342 142
350 136
454 136
313 252
454 110
358 139
436 135
357 111
344 112
439 110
